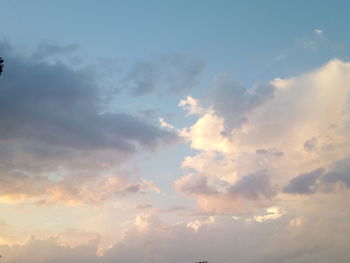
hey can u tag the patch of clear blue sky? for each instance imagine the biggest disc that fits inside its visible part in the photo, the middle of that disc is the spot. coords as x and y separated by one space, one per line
252 40
229 35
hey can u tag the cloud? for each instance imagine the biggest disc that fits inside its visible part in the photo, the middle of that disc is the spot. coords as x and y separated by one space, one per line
221 239
54 128
220 196
253 186
218 239
318 32
170 74
50 250
17 185
272 128
245 154
73 189
10 234
231 101
191 105
57 105
321 180
195 184
338 173
164 124
305 183
207 134
196 224
272 214
282 121
46 50
269 152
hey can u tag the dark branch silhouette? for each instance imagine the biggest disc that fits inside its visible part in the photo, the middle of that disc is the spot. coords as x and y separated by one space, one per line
1 65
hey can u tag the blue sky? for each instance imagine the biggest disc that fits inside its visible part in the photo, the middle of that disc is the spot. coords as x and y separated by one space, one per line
138 130
226 34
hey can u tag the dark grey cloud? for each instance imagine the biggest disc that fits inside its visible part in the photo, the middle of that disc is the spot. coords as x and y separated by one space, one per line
232 101
53 121
305 183
253 186
197 185
321 180
61 106
170 74
339 172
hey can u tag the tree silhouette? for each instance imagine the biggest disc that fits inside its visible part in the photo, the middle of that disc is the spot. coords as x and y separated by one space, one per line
1 65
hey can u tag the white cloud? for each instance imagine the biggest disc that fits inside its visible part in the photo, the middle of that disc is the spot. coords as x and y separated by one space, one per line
271 214
196 224
163 123
206 134
275 135
191 105
319 32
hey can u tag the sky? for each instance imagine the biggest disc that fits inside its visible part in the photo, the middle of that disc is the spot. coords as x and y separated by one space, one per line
174 131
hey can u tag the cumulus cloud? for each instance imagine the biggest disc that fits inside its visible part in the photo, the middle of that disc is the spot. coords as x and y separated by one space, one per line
286 118
272 128
218 239
170 74
222 239
278 136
